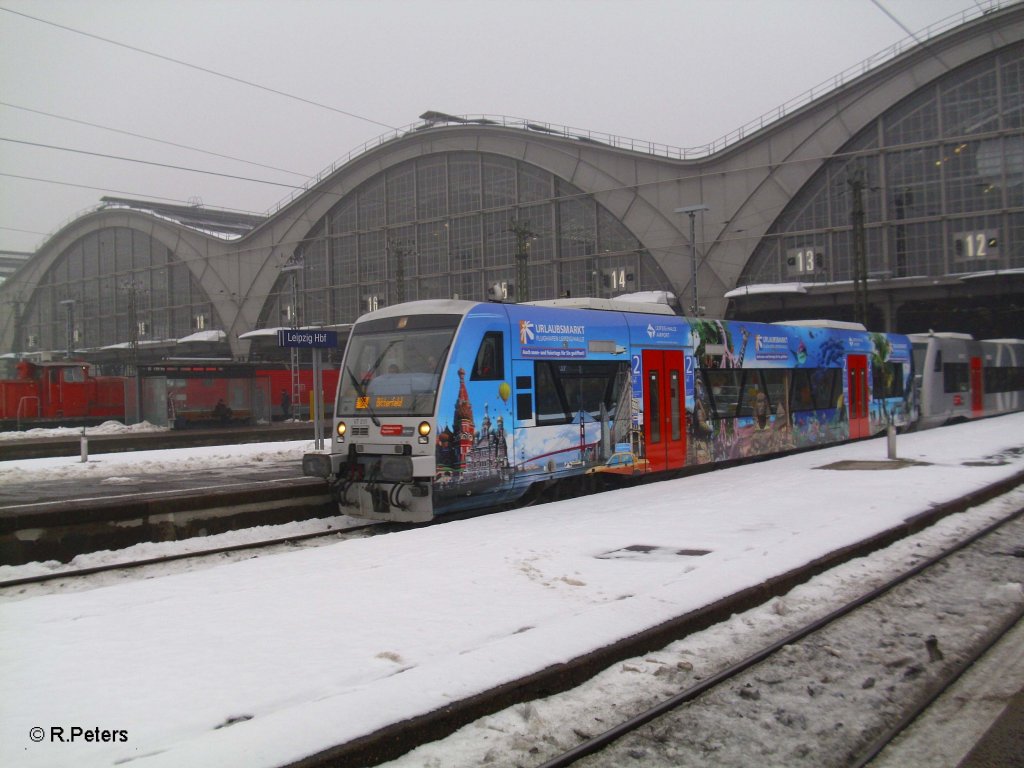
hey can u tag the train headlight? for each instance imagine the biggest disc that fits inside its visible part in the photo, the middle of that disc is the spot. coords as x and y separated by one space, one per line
424 430
342 429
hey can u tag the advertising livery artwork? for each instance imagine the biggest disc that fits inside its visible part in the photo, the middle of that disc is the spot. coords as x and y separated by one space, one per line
472 458
534 394
764 388
581 421
568 377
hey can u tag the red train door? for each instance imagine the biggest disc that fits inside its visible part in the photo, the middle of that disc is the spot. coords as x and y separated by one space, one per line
857 385
664 409
977 388
53 401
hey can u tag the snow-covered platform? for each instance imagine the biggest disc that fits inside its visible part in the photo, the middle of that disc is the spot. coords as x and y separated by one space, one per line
263 661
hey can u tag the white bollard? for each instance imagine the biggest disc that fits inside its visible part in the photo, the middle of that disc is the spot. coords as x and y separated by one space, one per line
84 443
890 436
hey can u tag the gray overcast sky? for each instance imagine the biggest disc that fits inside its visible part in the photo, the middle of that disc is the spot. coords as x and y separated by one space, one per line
682 73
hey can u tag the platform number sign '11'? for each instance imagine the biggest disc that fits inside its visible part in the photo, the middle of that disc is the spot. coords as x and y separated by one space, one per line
804 261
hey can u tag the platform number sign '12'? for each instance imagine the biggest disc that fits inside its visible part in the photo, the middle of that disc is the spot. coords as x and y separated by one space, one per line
971 246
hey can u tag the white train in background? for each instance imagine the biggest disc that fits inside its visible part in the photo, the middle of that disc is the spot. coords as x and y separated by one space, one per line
957 377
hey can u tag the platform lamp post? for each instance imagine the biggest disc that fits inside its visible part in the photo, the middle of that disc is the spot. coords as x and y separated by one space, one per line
292 269
692 211
69 305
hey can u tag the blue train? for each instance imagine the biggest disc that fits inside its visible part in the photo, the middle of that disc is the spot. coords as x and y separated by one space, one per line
449 405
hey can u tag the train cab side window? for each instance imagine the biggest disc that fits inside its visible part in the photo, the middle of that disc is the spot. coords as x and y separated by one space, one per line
524 406
490 359
955 377
74 375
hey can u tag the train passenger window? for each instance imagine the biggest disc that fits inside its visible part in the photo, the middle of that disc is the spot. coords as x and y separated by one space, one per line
776 384
750 388
563 390
591 386
724 386
550 408
1003 379
490 358
886 380
827 387
801 398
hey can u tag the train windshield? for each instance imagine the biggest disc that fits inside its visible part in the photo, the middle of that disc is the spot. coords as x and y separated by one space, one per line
393 366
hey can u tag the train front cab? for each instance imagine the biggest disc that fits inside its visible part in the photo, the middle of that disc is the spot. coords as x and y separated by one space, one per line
382 462
949 378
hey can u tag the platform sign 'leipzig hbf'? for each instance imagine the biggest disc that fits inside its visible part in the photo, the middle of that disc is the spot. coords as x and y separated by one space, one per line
307 339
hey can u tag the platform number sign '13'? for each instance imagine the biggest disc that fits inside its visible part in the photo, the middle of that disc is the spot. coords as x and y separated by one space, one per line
804 261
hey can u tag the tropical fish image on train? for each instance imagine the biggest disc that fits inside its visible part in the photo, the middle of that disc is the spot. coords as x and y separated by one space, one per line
449 405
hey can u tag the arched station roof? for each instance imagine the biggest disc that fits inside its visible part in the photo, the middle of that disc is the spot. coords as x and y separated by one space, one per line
451 204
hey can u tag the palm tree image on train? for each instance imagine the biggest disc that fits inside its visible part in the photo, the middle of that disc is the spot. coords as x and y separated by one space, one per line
449 405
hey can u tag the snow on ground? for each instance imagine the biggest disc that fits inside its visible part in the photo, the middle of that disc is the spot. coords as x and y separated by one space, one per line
167 461
262 661
106 428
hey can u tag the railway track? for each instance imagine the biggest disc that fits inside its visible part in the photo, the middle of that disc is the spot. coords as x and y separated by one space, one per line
360 531
356 531
742 680
837 656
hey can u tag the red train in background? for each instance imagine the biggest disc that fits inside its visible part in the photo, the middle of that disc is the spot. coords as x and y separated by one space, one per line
180 394
65 393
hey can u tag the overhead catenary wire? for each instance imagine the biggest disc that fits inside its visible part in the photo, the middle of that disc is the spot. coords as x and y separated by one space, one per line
151 138
119 192
148 162
198 68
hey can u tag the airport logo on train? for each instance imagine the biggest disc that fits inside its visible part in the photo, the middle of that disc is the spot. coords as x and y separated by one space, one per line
447 405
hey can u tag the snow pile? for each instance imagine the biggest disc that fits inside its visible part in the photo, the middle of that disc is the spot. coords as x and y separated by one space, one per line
106 428
162 461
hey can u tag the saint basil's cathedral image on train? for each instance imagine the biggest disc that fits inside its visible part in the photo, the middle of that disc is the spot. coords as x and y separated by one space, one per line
471 459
